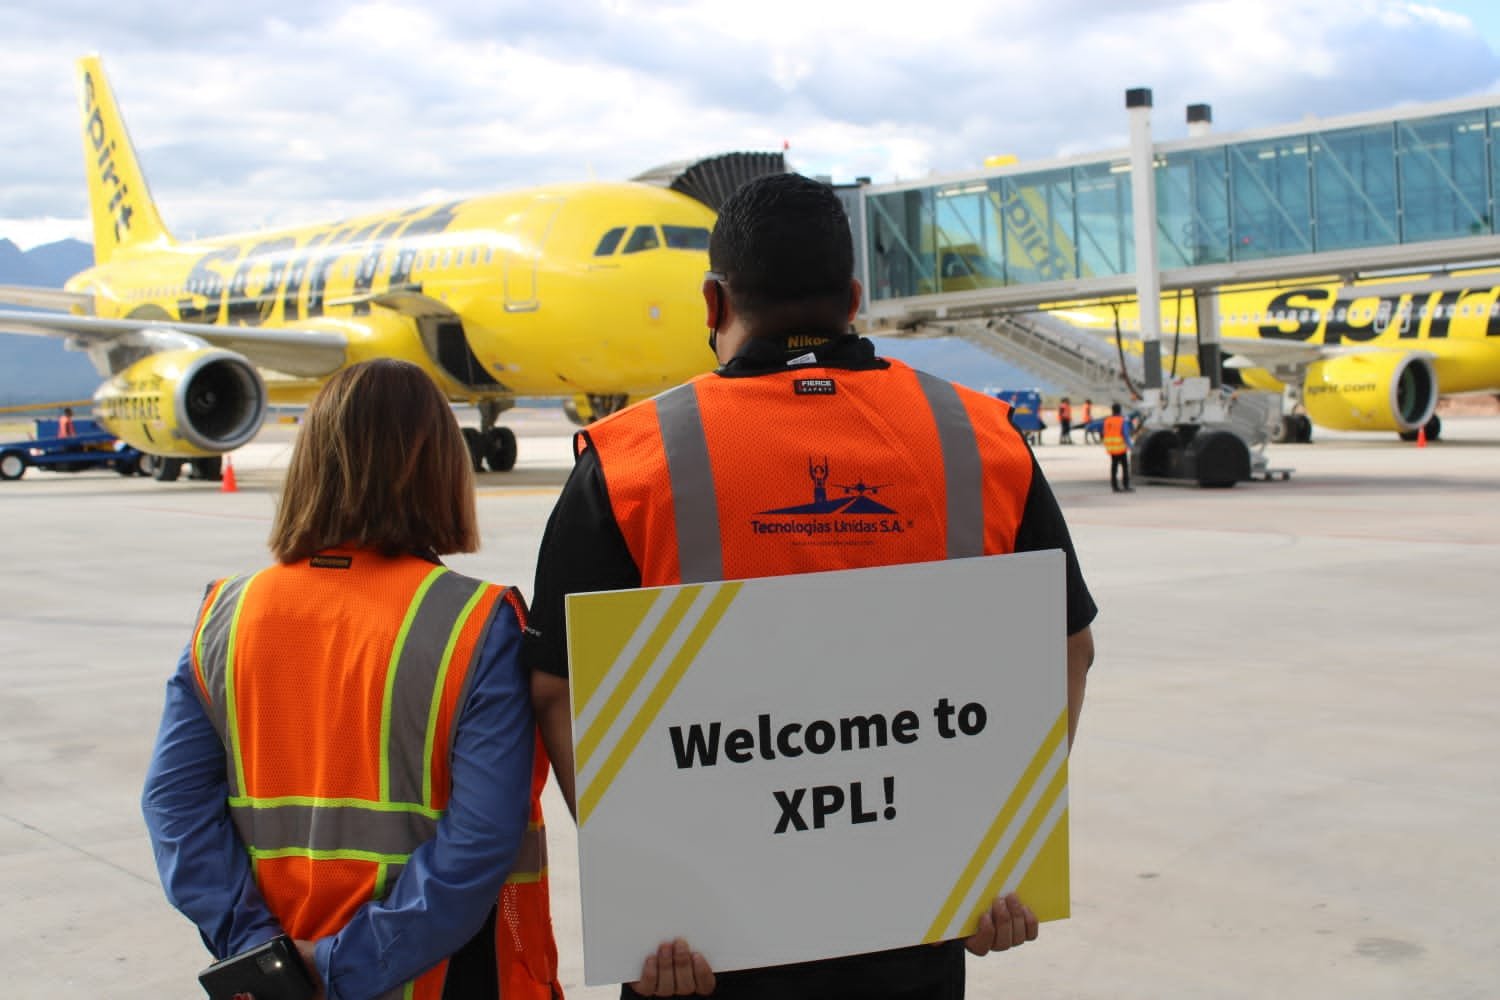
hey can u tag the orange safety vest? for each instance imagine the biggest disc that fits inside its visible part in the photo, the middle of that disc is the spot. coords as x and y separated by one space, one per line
1114 435
379 654
1064 411
811 469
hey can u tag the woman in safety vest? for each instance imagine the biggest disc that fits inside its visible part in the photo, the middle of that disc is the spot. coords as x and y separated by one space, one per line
348 754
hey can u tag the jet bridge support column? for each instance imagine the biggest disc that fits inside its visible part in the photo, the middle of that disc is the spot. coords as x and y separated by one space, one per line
1190 431
1210 359
1143 209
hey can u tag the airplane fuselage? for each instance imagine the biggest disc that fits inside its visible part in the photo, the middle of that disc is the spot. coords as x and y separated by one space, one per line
547 306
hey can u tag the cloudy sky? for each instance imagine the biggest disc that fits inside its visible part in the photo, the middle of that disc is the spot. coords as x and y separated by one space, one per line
282 112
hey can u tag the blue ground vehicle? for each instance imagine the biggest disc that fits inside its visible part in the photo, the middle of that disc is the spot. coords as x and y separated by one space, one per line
91 447
1025 411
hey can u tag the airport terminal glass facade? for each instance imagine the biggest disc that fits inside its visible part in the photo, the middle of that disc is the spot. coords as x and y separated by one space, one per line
1406 180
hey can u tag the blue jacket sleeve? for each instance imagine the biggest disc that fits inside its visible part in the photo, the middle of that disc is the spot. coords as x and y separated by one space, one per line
447 888
203 864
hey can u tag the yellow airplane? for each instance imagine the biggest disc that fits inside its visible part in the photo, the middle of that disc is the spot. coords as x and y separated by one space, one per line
1373 355
584 291
1369 355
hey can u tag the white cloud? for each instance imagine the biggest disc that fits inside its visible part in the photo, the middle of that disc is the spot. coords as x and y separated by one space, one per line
302 112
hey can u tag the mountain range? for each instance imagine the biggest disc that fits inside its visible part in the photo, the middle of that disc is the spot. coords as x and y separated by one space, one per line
38 369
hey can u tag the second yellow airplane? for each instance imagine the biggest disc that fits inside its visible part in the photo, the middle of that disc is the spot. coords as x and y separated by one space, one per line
584 291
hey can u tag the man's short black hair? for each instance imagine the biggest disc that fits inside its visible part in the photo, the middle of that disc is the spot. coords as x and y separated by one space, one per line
783 242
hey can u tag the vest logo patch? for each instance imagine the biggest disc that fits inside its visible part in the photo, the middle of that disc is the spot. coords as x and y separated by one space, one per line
850 518
815 387
331 562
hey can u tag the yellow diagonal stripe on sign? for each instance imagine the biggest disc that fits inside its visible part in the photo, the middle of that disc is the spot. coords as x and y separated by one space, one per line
1002 820
590 740
1008 863
658 698
613 620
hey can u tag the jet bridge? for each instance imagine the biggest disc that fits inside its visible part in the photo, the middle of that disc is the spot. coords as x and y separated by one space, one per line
979 255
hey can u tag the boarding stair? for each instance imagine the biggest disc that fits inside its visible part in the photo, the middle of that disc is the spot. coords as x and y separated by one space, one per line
1080 363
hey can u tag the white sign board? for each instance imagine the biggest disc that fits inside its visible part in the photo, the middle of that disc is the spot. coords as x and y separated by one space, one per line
801 767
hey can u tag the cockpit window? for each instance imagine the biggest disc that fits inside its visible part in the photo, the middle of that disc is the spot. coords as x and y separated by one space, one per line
643 238
686 237
609 241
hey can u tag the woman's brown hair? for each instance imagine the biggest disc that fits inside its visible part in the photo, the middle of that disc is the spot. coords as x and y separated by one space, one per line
379 463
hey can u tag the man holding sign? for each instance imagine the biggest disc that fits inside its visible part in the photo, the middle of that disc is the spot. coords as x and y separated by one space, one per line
803 453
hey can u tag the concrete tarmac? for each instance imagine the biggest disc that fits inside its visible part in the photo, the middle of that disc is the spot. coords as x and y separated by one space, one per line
1286 783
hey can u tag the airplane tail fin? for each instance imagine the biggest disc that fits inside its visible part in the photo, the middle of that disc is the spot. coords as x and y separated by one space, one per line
119 200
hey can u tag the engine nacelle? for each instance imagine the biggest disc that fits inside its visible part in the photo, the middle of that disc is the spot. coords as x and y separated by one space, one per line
184 403
1375 391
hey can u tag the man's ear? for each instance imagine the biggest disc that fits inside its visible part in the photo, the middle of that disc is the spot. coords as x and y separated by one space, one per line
713 300
856 296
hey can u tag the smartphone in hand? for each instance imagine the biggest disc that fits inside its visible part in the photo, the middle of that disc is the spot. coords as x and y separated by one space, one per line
271 971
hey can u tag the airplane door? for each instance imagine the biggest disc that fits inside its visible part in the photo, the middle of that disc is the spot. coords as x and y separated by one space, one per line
529 229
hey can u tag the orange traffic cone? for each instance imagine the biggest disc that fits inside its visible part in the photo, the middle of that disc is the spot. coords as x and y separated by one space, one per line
227 483
1422 436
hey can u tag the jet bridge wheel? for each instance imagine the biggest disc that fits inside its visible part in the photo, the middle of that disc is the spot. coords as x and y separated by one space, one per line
502 449
1220 459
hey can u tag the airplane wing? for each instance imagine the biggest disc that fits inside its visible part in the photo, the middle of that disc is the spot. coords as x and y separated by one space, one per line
47 298
1272 353
308 353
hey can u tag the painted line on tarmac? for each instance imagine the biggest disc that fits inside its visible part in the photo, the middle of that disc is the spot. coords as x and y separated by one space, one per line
199 513
519 491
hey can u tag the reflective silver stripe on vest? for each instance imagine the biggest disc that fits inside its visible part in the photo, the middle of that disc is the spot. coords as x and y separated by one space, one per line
415 683
699 547
334 828
963 473
213 642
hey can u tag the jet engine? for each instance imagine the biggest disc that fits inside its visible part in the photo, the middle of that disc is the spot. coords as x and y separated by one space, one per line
1374 391
187 403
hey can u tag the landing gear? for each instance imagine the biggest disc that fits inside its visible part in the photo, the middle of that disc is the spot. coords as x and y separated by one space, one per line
491 445
1294 428
501 455
165 470
210 469
1433 429
474 440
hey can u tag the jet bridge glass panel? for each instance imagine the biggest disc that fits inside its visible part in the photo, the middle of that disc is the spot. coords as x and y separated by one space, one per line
1405 180
1192 209
1445 184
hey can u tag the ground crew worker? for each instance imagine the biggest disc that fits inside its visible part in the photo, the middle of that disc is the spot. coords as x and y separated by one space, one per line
65 427
1090 432
664 492
1065 420
1117 443
348 753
